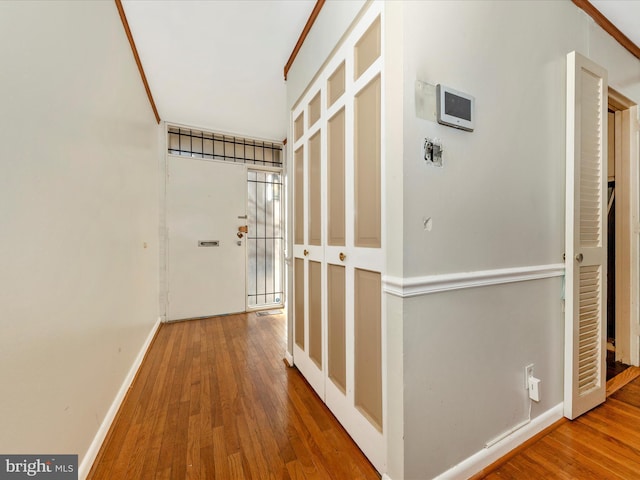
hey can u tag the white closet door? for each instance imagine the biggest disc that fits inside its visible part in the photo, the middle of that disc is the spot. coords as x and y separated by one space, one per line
586 236
339 245
308 251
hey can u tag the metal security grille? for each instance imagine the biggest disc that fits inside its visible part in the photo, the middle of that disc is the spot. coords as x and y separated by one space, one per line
199 144
265 239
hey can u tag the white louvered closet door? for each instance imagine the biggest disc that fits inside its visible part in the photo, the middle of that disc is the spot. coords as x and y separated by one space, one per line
586 236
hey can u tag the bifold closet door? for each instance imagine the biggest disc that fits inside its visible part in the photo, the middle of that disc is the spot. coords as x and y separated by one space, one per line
309 330
586 237
338 250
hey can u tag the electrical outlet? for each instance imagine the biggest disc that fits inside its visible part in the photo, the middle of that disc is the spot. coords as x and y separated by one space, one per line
534 389
528 372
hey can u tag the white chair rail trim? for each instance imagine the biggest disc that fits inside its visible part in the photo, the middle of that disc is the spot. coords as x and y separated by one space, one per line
415 286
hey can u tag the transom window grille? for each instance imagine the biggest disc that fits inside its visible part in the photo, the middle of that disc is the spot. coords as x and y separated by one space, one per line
215 146
265 240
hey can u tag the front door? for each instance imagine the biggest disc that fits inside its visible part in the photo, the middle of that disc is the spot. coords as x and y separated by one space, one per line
206 206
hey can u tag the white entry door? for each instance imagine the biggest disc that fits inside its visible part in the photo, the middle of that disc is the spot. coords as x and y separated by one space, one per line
206 205
586 236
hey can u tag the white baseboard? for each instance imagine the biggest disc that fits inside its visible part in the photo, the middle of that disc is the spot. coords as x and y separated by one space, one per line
94 448
487 456
385 477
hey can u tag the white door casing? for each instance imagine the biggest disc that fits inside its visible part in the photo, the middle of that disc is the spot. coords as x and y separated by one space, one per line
206 201
585 236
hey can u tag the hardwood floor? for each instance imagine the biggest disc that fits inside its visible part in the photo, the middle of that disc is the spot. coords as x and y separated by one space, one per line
601 444
214 400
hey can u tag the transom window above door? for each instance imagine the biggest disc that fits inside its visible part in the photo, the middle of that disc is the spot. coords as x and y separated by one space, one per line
187 142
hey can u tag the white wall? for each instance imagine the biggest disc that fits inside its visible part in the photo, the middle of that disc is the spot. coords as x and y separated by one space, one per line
330 26
498 202
79 220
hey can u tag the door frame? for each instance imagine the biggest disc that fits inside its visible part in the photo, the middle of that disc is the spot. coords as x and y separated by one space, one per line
627 228
164 155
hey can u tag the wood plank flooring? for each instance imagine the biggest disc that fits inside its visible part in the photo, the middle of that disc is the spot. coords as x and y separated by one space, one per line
214 400
601 444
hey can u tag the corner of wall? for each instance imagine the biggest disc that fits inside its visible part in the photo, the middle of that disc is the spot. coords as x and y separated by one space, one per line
394 188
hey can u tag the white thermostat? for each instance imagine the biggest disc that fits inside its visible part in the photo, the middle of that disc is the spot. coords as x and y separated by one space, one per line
455 108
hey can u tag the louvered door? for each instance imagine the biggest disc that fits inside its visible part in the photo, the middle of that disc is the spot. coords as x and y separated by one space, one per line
586 236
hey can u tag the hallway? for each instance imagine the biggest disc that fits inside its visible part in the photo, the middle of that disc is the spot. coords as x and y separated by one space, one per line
214 400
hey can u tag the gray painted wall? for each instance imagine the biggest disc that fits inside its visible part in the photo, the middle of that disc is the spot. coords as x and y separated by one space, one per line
498 202
464 354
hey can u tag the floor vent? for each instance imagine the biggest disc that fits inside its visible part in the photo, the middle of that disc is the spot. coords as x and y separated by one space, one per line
266 313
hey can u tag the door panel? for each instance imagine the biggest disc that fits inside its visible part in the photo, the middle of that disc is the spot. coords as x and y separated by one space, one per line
299 302
315 195
315 312
367 166
335 180
586 236
298 127
204 202
298 161
336 338
367 50
335 85
314 110
368 345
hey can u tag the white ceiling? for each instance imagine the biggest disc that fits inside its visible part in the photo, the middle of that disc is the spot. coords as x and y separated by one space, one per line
624 14
219 64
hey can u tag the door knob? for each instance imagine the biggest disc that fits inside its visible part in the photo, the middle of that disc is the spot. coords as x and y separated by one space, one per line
306 252
579 258
342 257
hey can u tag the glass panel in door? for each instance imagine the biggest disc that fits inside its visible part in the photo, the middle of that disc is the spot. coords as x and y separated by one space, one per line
264 239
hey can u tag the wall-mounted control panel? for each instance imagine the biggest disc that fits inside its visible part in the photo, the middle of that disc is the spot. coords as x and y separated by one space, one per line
454 108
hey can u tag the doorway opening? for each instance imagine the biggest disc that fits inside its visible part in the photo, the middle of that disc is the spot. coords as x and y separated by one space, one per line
224 240
622 332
